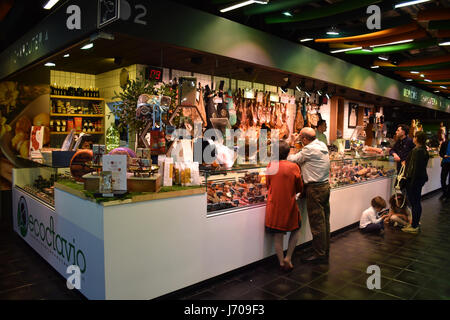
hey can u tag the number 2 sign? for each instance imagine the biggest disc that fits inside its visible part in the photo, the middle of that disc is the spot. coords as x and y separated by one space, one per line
139 13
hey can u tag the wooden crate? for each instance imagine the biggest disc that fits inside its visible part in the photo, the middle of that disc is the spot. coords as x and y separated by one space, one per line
134 184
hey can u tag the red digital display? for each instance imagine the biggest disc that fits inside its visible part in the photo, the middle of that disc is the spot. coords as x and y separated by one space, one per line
154 74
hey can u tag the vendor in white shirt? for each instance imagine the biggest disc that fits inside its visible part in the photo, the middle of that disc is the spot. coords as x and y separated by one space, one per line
370 221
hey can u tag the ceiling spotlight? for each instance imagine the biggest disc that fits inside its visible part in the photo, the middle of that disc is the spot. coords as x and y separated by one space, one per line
409 3
447 43
347 49
50 64
392 43
443 87
436 91
374 67
88 46
287 14
306 39
409 79
66 55
50 4
414 72
242 4
385 58
428 80
422 75
333 32
307 93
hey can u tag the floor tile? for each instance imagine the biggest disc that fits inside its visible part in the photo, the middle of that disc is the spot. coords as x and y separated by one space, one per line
398 262
400 289
427 294
384 296
282 287
355 292
327 284
307 293
258 294
413 278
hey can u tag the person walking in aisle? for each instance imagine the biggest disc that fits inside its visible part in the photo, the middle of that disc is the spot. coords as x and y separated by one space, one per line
284 181
314 162
444 153
416 176
403 146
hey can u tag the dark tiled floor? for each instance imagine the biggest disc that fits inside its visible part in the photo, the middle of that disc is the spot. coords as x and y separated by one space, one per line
412 267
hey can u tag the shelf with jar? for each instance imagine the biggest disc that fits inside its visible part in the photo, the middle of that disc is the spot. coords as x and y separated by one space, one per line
64 126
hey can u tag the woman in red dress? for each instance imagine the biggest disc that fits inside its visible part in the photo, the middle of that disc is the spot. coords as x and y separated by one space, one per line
282 213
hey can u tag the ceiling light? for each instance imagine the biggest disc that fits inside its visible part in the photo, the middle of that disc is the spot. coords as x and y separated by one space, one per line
447 43
328 96
392 43
422 75
443 87
50 4
319 92
88 46
367 49
307 93
374 67
415 72
347 49
50 64
409 3
385 58
333 33
242 4
287 14
306 39
436 91
428 80
66 55
409 79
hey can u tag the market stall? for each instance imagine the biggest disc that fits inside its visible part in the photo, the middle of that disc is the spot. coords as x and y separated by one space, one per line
152 217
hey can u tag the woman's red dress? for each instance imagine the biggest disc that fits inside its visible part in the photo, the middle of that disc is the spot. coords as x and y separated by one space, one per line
282 212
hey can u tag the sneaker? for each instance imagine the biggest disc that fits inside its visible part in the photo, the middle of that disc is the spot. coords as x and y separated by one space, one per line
410 229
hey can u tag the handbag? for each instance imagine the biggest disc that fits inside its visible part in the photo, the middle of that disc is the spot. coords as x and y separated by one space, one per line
400 185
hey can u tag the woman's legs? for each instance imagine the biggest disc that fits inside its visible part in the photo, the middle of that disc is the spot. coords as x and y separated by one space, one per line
414 194
278 239
293 238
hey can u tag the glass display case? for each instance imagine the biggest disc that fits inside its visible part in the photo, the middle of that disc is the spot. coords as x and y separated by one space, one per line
239 188
349 170
235 188
38 181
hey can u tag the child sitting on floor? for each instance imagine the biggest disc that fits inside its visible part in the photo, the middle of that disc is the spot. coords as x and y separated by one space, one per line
399 213
370 221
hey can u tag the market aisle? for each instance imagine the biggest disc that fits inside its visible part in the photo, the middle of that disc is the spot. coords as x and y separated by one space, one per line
412 267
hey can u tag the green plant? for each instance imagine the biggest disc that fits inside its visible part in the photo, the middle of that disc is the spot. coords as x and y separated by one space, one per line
125 110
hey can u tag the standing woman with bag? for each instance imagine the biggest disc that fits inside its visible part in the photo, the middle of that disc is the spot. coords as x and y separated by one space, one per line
416 176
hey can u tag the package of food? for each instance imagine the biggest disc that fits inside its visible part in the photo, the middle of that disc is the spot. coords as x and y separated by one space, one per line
106 183
168 172
161 159
78 121
36 141
195 174
177 178
187 174
98 150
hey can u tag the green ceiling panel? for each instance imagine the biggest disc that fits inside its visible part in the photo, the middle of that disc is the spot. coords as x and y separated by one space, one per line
318 13
396 48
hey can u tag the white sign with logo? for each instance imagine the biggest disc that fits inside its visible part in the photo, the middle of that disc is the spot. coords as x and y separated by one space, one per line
61 243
